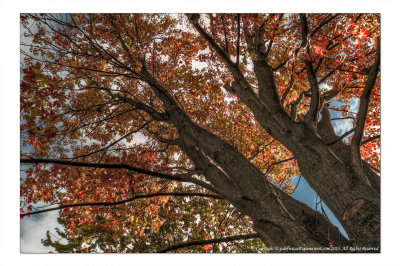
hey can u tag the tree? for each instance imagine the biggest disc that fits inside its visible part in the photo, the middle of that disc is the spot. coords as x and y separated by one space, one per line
150 130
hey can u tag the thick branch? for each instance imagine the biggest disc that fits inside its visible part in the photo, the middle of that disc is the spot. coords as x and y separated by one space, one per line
238 40
159 90
287 90
153 113
209 241
323 23
325 128
215 175
226 38
193 18
370 139
304 29
179 178
279 162
312 113
364 100
371 166
159 194
330 95
341 118
327 97
280 65
362 116
295 105
272 120
341 137
260 149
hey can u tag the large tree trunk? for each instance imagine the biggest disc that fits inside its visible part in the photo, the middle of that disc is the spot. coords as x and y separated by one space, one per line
334 170
279 219
336 173
352 199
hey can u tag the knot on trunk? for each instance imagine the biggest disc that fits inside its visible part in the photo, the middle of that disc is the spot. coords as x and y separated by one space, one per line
352 209
193 18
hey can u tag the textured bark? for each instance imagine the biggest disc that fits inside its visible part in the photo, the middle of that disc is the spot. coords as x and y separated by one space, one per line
279 219
328 169
347 185
323 169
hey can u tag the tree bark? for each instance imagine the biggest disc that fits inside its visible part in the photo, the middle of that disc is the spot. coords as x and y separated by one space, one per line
348 193
334 170
279 219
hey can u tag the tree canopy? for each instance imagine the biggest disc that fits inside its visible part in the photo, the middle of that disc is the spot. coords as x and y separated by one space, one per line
186 132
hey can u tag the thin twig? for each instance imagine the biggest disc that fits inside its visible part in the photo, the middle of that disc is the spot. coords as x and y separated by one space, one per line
209 241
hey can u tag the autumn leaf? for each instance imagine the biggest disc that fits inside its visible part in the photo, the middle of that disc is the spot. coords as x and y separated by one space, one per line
152 130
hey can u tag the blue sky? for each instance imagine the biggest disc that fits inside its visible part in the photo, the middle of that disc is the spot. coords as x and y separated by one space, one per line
33 229
9 112
306 194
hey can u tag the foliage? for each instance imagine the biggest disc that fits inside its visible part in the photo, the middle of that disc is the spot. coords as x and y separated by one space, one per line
84 98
